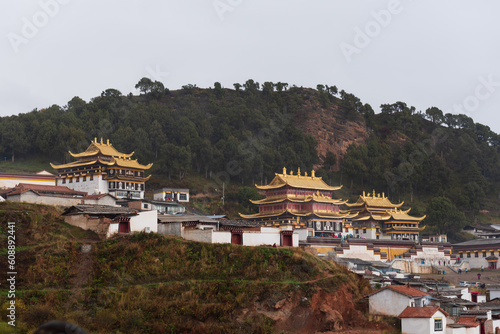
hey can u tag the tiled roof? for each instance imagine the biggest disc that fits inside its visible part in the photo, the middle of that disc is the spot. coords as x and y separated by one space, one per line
421 312
99 210
402 289
471 321
44 189
412 292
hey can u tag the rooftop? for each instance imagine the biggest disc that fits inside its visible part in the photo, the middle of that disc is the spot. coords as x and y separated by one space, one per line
421 312
99 210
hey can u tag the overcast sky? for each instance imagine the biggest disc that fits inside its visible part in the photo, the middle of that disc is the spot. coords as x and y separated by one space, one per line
425 53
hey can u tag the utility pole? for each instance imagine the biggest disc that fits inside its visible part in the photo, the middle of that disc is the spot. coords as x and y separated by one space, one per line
222 193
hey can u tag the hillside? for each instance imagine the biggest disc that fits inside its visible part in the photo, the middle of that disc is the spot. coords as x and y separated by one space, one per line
442 165
146 283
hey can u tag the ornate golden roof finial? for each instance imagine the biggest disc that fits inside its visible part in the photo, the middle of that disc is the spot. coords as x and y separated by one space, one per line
305 173
95 140
383 195
364 193
101 140
313 174
291 172
107 142
373 194
284 170
298 171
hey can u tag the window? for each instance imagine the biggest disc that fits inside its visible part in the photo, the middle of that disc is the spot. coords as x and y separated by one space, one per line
182 197
364 230
91 177
484 254
468 254
70 180
438 325
356 231
492 253
64 181
77 179
461 255
476 254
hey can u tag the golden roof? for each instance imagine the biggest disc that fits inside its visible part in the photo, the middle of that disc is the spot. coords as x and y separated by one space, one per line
374 201
298 199
115 161
98 150
131 163
73 164
96 147
295 213
298 181
395 214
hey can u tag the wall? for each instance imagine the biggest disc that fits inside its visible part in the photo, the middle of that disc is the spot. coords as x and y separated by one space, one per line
105 200
304 233
411 266
360 252
387 302
267 236
31 197
138 223
99 225
198 235
88 186
418 326
11 181
489 326
144 219
170 229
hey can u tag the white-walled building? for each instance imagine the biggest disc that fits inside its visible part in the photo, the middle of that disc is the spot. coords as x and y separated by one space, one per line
172 195
10 180
423 320
102 169
108 220
54 195
393 299
203 229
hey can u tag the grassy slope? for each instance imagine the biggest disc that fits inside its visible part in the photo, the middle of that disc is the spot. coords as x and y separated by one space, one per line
153 284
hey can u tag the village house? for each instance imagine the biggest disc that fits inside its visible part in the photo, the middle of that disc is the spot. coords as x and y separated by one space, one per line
162 207
54 195
10 180
479 253
204 229
393 299
423 320
109 220
465 325
172 195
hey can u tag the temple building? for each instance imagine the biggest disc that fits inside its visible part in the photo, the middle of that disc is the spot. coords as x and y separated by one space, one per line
301 201
378 218
102 169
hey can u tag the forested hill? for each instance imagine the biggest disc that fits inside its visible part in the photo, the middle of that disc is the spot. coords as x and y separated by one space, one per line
446 166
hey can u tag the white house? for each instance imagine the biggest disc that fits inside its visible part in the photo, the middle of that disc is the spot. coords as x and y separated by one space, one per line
204 229
465 325
108 220
171 195
494 291
143 221
393 299
423 320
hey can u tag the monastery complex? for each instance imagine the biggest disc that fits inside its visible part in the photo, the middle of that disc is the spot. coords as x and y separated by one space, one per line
307 201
